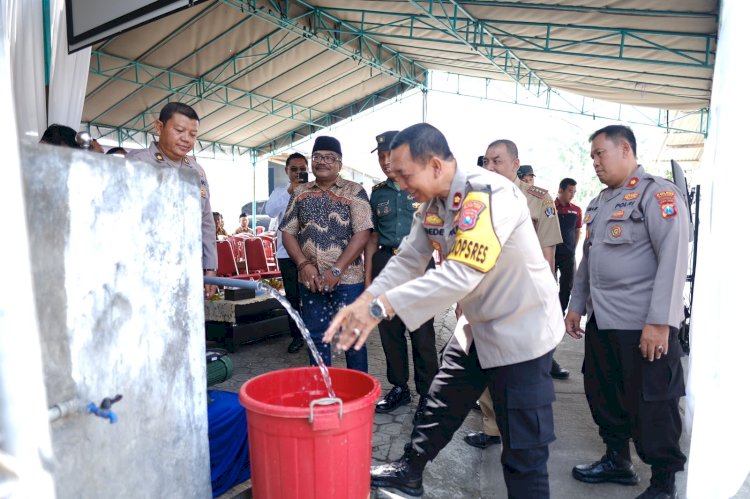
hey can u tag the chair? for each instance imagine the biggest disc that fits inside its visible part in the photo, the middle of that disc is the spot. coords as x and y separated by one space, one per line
259 229
269 249
227 266
257 260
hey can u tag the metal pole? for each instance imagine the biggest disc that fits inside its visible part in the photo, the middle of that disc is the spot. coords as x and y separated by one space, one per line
25 445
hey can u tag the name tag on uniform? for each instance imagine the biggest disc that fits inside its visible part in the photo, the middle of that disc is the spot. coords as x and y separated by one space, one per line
476 244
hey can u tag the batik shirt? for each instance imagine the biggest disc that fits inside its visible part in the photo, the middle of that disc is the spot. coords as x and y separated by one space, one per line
324 222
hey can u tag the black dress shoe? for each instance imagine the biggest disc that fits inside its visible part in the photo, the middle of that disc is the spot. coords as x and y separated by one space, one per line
295 345
558 372
398 396
401 475
656 493
610 468
481 440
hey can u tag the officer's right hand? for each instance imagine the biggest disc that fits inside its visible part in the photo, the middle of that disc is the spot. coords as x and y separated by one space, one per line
573 325
308 277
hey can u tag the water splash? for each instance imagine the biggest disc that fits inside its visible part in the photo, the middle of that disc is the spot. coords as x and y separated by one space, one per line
305 334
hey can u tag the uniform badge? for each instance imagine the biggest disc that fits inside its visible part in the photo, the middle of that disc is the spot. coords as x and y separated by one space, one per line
477 246
159 157
615 231
457 197
632 182
550 212
436 246
587 219
630 196
668 210
470 213
665 197
432 219
415 205
618 214
204 193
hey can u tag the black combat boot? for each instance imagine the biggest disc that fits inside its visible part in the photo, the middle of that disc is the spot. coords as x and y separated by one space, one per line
661 487
612 467
404 474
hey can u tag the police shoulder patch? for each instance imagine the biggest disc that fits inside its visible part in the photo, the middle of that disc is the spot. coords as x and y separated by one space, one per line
476 243
537 192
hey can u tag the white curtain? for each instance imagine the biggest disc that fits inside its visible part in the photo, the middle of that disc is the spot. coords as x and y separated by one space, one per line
68 73
719 384
25 40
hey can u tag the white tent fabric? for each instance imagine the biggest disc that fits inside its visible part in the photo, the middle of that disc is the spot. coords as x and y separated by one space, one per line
26 448
25 40
68 73
718 401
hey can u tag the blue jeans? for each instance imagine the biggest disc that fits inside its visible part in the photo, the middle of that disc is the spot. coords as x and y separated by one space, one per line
318 310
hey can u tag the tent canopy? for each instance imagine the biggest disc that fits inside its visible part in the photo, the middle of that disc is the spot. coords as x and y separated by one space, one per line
263 74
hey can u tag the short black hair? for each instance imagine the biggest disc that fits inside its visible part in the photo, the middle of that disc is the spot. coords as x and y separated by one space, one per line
295 155
217 214
510 146
60 135
117 150
173 108
567 182
617 133
243 214
424 141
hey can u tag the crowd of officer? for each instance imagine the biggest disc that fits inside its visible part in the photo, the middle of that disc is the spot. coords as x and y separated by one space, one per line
501 241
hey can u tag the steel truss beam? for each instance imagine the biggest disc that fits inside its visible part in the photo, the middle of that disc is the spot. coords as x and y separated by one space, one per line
319 26
217 150
482 35
570 103
200 88
473 33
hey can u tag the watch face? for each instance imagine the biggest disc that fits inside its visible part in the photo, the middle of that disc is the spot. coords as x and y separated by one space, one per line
336 271
376 310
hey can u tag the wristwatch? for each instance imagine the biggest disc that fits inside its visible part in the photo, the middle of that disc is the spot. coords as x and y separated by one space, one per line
377 310
336 271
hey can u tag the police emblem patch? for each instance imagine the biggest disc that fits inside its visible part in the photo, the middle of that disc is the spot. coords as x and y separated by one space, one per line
615 231
470 213
618 214
668 210
436 246
630 196
632 182
587 219
432 219
204 193
550 212
159 157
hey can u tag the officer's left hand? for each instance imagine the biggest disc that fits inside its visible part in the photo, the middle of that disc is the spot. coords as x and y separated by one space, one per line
355 323
209 290
654 341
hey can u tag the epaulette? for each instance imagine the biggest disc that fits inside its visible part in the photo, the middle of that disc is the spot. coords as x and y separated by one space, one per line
379 185
537 192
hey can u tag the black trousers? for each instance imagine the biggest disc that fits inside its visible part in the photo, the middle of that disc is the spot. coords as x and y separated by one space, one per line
630 397
291 290
567 267
392 336
522 396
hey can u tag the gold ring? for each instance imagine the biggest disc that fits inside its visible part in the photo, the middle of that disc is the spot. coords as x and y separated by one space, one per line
356 332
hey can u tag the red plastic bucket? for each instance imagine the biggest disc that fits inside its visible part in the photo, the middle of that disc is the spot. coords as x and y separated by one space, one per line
305 445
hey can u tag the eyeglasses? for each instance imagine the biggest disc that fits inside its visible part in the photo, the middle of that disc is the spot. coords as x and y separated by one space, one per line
328 159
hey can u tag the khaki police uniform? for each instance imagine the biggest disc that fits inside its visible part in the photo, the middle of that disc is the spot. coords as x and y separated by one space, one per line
632 273
393 211
154 156
543 213
494 268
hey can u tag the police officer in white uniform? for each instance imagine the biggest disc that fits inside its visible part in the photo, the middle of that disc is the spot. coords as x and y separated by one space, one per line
494 268
629 284
177 128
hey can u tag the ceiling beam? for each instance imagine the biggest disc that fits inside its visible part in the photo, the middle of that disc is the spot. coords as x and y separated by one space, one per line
186 86
319 26
473 33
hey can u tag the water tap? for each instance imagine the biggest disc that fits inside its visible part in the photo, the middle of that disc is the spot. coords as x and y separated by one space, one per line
104 410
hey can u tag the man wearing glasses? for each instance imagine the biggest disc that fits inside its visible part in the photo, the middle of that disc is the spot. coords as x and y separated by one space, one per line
325 229
296 170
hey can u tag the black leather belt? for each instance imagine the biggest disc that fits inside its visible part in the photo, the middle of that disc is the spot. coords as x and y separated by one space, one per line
390 249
